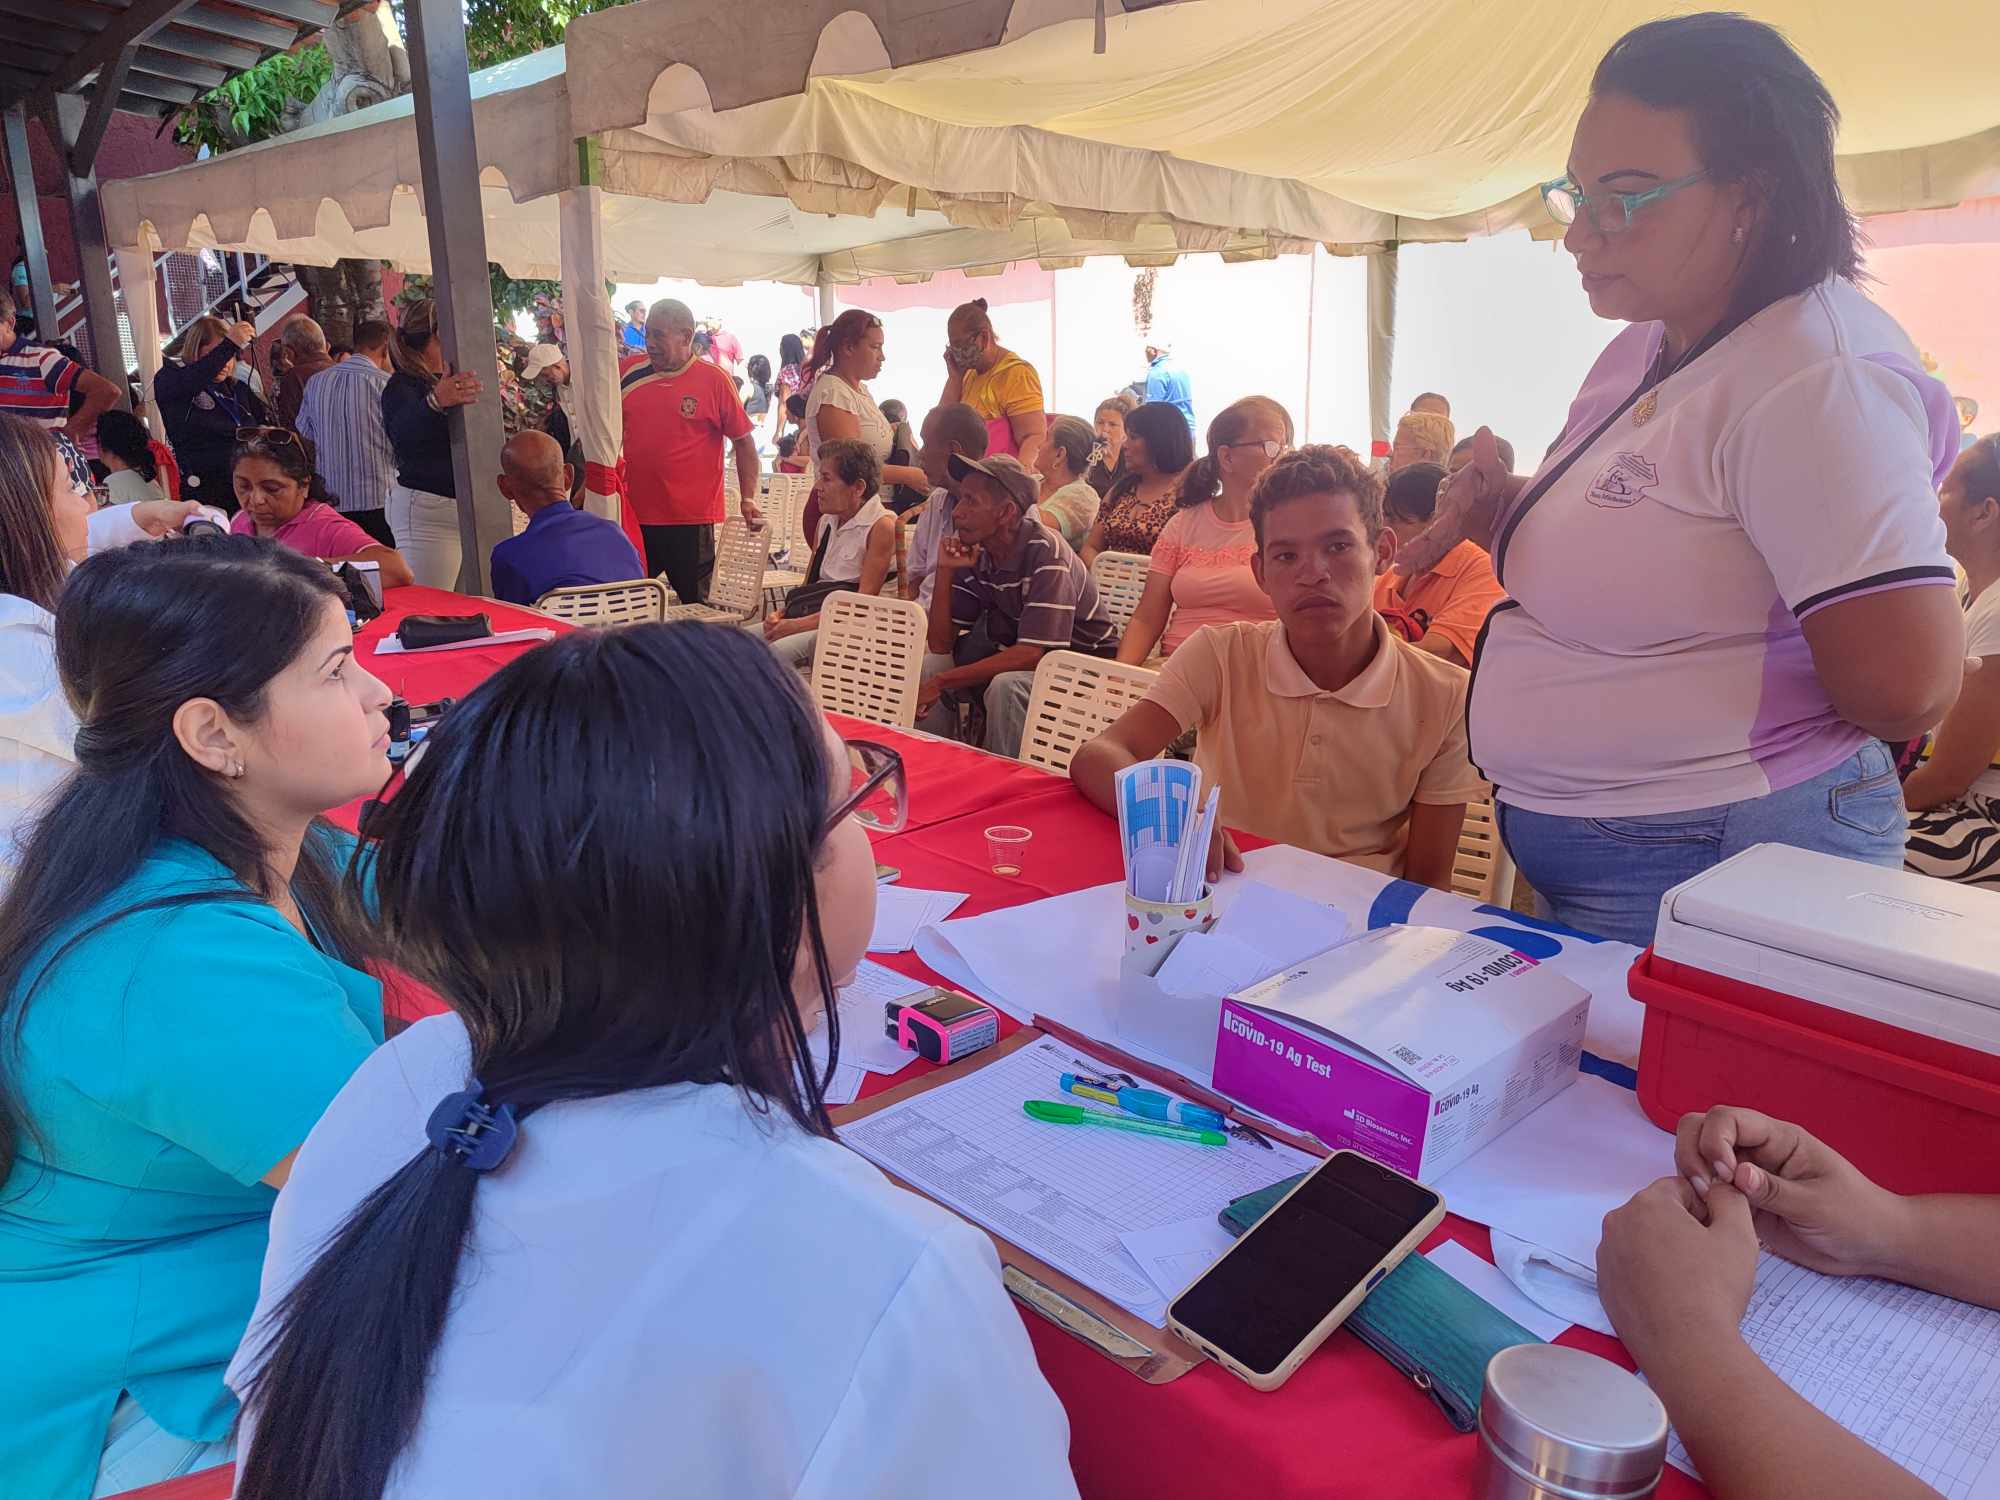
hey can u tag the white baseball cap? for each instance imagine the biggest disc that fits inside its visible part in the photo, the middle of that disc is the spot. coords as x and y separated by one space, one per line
541 357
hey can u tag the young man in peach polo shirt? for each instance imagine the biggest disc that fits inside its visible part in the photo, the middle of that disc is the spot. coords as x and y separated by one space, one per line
1322 728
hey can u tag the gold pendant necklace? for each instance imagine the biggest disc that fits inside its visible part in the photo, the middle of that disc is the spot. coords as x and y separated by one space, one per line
1648 404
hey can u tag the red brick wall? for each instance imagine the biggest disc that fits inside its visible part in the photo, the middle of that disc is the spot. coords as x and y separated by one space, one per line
133 147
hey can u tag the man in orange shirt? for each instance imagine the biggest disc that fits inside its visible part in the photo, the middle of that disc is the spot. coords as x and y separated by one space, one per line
679 411
1440 611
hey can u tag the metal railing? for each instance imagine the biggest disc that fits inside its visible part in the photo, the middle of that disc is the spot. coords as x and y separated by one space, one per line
193 284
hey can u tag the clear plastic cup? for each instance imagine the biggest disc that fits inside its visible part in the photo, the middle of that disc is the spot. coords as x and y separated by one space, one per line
1007 848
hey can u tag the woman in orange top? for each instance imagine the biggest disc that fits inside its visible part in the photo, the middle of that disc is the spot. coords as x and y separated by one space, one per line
995 382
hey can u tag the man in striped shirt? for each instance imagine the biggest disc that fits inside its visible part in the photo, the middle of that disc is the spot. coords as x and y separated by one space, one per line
1008 589
36 383
341 412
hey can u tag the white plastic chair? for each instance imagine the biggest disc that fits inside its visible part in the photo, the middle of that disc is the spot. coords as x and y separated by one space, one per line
736 592
1121 580
869 657
1481 870
1076 698
783 498
608 603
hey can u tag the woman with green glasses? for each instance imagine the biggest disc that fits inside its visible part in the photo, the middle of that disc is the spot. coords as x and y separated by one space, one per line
1728 582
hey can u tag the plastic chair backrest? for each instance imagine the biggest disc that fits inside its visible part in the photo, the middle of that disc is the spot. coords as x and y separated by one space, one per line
1076 698
1481 869
740 560
607 603
1121 580
869 656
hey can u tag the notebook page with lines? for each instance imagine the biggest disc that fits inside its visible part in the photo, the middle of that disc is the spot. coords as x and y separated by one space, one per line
1914 1375
1064 1193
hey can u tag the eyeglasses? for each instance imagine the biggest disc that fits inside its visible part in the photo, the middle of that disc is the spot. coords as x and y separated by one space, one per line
1271 446
268 437
879 793
1607 212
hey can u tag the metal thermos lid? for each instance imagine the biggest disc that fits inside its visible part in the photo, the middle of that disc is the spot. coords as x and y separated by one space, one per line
1573 1423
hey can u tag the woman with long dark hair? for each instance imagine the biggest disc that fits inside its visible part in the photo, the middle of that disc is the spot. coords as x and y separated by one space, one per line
126 449
1728 582
1201 562
179 995
791 382
590 1234
1136 510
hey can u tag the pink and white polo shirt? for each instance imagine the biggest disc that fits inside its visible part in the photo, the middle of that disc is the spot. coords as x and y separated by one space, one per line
1650 659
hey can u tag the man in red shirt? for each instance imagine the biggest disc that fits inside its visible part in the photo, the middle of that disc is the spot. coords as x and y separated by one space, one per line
679 410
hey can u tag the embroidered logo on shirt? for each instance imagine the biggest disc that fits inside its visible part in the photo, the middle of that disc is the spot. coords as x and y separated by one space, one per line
1623 482
687 406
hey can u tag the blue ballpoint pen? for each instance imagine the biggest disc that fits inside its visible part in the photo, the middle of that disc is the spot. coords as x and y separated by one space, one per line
1149 1104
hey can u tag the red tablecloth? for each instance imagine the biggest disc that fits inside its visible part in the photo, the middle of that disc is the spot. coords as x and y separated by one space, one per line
1347 1424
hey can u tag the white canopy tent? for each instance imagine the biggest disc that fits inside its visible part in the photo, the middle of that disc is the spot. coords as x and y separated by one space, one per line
848 139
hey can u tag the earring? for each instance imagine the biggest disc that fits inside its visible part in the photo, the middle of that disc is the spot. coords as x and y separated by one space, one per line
235 770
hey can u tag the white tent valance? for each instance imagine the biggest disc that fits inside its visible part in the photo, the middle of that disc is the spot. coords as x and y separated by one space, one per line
1250 127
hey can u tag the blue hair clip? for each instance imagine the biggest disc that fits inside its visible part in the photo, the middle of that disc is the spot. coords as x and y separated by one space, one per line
472 1132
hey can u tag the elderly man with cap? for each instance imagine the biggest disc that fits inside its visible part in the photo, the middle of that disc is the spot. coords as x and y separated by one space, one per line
544 391
1007 590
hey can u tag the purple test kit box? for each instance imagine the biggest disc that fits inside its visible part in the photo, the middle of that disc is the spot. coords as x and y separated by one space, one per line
1412 1045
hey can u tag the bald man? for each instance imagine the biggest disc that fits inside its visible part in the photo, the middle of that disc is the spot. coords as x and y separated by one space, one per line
680 413
561 546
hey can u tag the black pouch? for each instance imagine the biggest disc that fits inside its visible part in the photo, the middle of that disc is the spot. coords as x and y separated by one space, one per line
419 631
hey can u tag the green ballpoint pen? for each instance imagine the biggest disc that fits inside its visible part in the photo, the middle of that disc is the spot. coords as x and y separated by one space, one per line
1051 1113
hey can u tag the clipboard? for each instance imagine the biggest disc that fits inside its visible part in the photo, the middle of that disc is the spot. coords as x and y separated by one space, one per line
1155 1355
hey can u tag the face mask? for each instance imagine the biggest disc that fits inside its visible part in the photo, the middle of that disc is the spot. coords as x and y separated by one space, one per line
965 355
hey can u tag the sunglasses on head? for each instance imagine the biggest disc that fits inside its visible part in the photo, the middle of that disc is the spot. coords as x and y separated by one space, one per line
268 437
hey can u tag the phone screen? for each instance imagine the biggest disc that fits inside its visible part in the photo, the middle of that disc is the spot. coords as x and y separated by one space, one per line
1293 1267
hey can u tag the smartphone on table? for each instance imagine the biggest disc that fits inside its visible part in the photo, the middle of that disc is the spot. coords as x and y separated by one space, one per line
1295 1275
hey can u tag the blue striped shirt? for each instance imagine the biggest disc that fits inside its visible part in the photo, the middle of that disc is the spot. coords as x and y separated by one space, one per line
342 415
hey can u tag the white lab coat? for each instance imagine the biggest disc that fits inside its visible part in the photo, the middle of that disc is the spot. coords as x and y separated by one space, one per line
666 1294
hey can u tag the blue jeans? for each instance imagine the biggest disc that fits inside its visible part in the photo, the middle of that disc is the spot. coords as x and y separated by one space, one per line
1607 875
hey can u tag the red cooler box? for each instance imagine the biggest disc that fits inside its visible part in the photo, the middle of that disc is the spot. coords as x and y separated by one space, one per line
1861 1002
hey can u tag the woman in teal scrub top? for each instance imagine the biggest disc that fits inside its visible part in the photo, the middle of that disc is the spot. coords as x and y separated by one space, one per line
176 1002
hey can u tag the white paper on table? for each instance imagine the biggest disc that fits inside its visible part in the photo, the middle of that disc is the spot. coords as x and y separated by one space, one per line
1912 1374
1059 957
901 912
1485 1281
1173 1255
1062 1192
863 1043
1553 1177
390 646
846 1085
1561 1287
1265 930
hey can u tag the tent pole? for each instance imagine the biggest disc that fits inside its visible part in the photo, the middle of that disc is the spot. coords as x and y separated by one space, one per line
21 168
828 308
1381 346
93 256
455 219
135 278
592 329
1312 302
